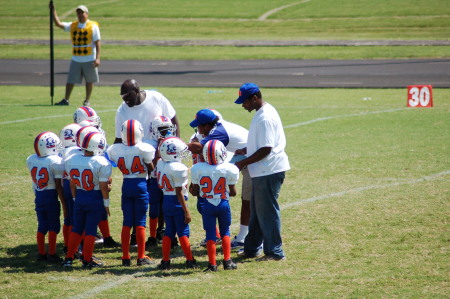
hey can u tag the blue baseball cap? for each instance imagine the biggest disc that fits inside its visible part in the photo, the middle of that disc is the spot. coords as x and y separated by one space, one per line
246 90
202 117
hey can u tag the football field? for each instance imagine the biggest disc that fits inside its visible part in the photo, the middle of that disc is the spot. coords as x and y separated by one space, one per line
364 207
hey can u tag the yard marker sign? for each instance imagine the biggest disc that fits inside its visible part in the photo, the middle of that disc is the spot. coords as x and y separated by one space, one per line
420 96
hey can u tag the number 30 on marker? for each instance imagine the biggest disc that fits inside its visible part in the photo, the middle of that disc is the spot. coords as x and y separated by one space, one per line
420 96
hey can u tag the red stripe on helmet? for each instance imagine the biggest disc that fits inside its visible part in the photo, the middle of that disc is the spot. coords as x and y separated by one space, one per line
88 111
87 138
211 152
36 143
130 133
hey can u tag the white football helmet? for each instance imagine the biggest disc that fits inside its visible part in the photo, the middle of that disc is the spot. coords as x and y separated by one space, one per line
132 132
217 113
94 142
68 135
173 149
161 126
89 114
214 152
82 133
47 144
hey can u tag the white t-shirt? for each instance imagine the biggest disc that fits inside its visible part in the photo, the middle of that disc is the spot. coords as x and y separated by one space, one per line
89 171
266 130
171 175
95 37
44 171
131 160
214 180
155 104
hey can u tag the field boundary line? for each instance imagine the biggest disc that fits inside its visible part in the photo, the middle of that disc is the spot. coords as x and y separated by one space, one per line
275 10
70 11
342 116
44 117
427 178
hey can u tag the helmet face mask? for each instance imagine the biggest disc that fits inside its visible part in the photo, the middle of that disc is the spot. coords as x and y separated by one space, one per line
94 142
173 149
68 135
161 127
87 114
132 132
214 152
47 144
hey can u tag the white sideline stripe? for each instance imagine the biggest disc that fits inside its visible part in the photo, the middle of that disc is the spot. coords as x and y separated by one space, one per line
116 282
360 189
44 117
67 13
270 12
341 116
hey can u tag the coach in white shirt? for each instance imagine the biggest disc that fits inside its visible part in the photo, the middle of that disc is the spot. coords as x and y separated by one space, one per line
267 163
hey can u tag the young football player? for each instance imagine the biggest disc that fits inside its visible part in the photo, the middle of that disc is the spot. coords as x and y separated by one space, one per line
46 171
172 178
89 175
215 181
69 141
134 159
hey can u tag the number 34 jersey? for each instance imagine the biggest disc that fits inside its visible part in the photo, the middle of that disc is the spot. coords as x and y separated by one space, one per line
214 180
88 172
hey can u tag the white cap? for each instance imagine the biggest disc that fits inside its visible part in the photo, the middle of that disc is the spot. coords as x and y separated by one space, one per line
83 8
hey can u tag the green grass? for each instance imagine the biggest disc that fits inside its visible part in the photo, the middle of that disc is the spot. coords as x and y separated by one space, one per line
237 20
364 208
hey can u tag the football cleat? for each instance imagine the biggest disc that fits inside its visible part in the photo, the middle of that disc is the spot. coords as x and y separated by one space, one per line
68 262
191 264
63 102
211 268
126 262
229 265
92 264
164 265
145 261
151 242
109 242
54 258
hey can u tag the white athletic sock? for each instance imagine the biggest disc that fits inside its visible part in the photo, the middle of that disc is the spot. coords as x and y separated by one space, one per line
243 231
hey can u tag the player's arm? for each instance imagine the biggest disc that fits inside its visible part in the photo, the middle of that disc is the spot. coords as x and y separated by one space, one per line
195 147
56 20
59 190
150 166
180 196
105 194
174 120
232 190
257 156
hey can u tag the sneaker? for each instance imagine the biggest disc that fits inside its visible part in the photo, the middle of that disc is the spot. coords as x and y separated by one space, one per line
98 239
67 263
126 262
266 258
151 242
41 258
54 258
63 102
241 253
94 258
86 103
211 268
164 265
109 242
191 264
92 264
229 265
235 244
133 242
145 261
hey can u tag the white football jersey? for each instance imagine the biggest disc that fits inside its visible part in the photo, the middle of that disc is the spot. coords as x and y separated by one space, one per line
67 153
88 172
44 171
131 160
214 180
171 175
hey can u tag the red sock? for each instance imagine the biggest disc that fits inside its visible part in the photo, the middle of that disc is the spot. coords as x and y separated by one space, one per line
66 232
52 242
217 233
125 238
40 238
211 248
186 246
226 248
104 228
88 247
153 225
166 243
140 240
74 242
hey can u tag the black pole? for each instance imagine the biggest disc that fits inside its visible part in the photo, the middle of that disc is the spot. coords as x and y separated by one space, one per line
52 67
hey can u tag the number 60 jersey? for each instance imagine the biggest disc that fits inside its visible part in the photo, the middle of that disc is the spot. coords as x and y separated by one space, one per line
88 172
